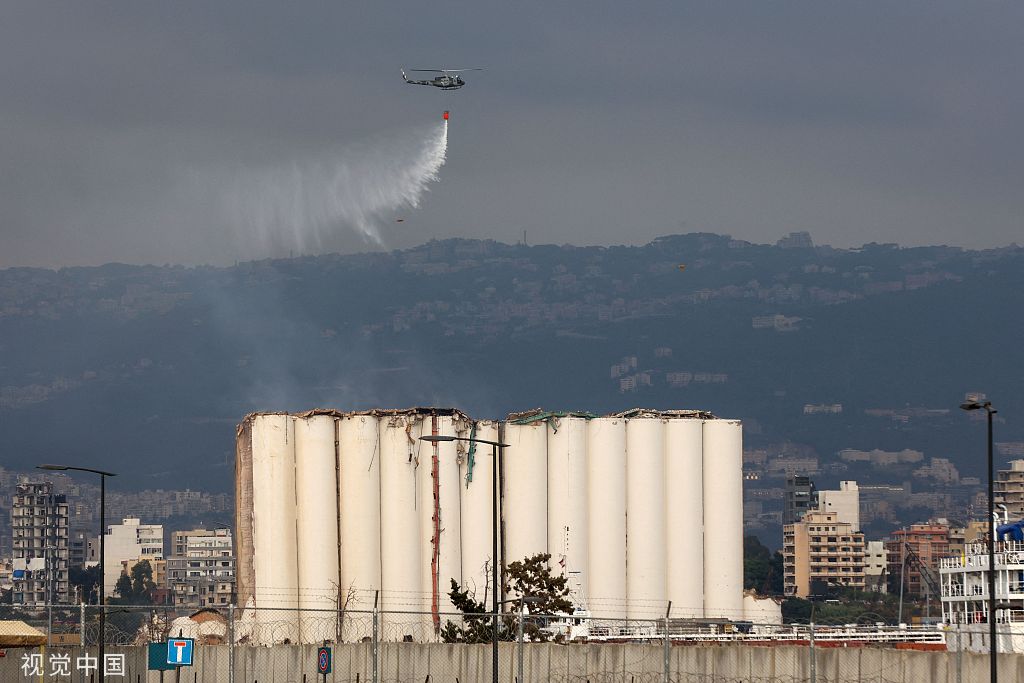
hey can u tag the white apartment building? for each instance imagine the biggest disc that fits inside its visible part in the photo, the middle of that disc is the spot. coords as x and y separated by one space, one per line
876 563
127 541
845 503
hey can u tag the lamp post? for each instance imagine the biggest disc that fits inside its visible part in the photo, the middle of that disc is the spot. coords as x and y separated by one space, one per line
101 669
992 648
495 445
522 600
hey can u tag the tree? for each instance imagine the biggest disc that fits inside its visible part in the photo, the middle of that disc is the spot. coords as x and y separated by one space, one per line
549 593
530 577
137 587
88 581
762 569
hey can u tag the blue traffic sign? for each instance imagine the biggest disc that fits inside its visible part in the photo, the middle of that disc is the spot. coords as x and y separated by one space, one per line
179 651
323 660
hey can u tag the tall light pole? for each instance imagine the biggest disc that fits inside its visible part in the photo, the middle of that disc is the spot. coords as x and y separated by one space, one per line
101 669
495 445
992 647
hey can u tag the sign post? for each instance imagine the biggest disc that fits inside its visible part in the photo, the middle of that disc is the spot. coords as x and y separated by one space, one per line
323 660
179 651
179 654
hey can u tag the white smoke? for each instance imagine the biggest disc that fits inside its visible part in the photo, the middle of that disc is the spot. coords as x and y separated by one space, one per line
300 204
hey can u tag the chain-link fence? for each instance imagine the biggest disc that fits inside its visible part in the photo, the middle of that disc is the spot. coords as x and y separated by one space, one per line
237 645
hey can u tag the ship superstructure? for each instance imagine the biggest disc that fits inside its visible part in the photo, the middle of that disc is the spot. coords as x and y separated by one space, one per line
965 606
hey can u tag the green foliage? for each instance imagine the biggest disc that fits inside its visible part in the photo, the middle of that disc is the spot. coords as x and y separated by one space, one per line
550 593
848 606
88 580
137 587
476 627
762 569
530 577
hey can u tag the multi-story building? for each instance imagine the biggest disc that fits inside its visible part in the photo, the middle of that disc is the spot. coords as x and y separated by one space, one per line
800 496
201 573
820 551
39 530
126 541
1009 489
78 548
876 564
910 549
845 503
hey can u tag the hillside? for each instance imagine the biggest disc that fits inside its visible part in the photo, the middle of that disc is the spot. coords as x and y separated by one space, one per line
145 370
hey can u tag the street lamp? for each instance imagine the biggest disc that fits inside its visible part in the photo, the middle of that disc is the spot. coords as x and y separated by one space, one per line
103 532
495 445
992 648
522 600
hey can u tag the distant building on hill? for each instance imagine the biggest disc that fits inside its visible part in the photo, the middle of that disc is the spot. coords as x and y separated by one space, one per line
796 240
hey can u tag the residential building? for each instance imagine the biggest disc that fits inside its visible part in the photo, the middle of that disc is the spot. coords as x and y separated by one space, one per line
39 529
940 470
790 465
1009 489
916 550
845 503
820 551
201 572
881 458
876 565
126 541
800 496
78 548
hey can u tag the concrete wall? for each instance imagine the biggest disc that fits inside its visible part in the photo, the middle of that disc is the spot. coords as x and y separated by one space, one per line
550 662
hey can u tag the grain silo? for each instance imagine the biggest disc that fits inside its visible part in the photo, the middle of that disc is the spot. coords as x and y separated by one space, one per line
338 510
606 523
723 519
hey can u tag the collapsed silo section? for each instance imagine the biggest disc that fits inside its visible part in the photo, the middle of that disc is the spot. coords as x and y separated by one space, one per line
245 572
401 550
358 505
723 519
317 528
440 514
274 517
645 516
606 523
567 501
476 473
684 516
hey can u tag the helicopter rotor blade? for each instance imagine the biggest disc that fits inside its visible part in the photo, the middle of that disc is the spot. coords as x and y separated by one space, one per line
444 71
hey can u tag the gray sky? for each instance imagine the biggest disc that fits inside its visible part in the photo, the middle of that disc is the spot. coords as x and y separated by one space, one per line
594 123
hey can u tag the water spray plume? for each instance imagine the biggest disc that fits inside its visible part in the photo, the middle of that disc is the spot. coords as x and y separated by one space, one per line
300 204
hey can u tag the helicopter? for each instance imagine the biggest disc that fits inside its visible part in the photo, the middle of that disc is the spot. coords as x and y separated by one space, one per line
446 81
